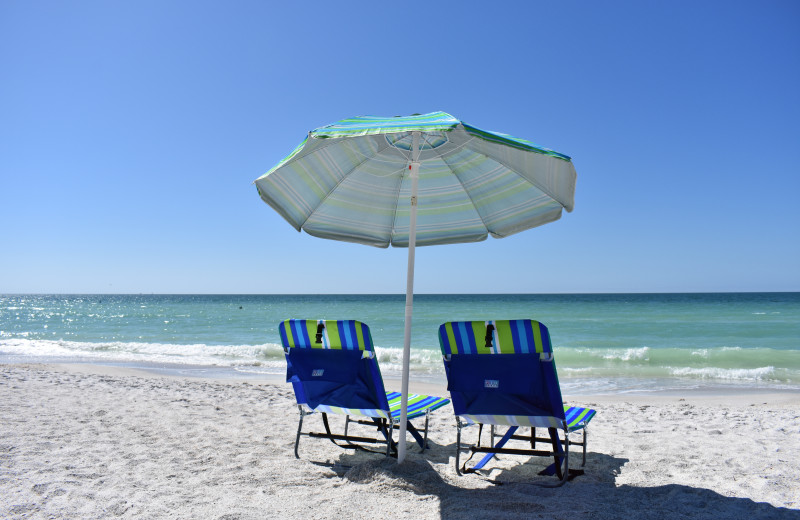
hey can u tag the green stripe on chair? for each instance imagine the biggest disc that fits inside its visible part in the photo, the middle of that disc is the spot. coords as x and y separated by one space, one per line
418 404
507 337
577 417
337 335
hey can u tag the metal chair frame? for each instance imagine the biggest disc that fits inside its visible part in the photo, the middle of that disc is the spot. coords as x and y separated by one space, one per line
561 458
383 425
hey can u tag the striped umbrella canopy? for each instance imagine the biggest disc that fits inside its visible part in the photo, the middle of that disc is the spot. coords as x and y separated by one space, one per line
424 179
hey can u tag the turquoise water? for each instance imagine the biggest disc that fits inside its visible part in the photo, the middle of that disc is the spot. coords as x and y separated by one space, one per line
604 342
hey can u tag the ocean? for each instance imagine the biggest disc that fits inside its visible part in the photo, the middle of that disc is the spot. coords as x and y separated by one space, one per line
604 343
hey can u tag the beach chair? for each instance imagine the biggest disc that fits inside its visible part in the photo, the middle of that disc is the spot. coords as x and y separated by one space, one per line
333 369
503 373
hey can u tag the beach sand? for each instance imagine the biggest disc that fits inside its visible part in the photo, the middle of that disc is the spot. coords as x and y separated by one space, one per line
83 441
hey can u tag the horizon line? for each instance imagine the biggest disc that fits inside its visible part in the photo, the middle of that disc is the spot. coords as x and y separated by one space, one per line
387 294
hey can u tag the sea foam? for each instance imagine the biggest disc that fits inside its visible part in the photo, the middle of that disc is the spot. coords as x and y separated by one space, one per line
116 351
738 374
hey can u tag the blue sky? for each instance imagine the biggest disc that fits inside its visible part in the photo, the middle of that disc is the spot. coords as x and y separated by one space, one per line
131 132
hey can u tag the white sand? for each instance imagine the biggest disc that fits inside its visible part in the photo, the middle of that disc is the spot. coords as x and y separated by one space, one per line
97 442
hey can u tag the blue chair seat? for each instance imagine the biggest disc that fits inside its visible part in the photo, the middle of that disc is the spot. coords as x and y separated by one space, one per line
333 370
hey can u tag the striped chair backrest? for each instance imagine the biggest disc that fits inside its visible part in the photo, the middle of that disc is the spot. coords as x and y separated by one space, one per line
326 334
494 337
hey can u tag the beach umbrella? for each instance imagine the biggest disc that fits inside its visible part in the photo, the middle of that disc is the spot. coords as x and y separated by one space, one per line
419 180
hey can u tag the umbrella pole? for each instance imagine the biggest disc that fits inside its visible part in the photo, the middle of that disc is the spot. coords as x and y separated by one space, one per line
412 242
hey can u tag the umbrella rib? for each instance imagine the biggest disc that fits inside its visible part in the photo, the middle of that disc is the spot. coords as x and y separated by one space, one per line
375 157
396 199
455 174
530 181
333 141
301 155
442 157
344 176
498 161
452 150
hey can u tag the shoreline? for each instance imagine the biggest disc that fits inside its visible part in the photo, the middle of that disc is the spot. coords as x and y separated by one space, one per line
225 375
427 384
710 395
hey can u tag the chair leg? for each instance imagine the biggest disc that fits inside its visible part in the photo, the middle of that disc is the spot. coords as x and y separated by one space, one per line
584 447
299 429
458 446
566 456
388 437
425 438
561 472
561 461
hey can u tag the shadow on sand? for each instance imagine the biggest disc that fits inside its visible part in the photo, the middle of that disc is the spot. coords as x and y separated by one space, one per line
517 495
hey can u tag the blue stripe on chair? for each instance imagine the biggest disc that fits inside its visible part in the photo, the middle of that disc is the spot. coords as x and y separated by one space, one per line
425 403
433 404
571 413
467 344
345 336
527 332
415 409
300 333
459 335
520 345
422 404
295 338
574 412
